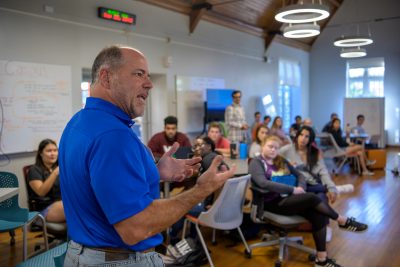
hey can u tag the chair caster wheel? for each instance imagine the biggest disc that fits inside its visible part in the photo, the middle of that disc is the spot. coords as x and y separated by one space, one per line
300 242
214 243
36 248
311 257
247 254
278 263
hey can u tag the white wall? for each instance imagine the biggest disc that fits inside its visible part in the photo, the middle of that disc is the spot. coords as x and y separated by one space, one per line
73 35
328 70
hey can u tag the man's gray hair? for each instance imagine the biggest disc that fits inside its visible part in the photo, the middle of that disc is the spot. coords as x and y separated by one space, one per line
110 57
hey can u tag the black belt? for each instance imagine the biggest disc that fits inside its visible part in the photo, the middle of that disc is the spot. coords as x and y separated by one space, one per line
115 254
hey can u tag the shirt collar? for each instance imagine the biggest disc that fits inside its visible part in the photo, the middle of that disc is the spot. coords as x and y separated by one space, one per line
106 106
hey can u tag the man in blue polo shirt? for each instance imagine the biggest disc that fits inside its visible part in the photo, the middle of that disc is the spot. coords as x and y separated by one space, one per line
109 181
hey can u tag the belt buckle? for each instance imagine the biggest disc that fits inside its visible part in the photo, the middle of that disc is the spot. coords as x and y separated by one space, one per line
112 256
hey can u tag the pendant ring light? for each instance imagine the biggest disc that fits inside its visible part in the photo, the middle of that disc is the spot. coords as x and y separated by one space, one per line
353 52
302 13
351 41
301 30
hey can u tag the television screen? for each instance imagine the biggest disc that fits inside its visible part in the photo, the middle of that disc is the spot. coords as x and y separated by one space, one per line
218 99
216 102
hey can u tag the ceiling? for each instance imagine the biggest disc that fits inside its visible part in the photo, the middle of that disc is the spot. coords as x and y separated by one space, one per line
254 17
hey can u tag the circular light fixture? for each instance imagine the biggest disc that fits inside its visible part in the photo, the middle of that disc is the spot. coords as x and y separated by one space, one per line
353 52
352 41
301 30
302 13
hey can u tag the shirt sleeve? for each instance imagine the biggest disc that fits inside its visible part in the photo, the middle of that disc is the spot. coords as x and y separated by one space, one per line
153 144
118 175
35 174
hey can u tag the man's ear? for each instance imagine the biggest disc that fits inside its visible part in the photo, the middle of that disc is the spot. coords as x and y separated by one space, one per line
104 77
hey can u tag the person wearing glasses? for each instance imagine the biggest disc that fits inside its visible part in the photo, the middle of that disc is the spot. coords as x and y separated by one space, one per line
109 180
235 119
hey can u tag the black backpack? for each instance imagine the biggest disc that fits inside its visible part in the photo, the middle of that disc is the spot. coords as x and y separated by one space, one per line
187 252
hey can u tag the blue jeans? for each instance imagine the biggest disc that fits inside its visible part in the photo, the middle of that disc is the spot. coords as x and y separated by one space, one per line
78 255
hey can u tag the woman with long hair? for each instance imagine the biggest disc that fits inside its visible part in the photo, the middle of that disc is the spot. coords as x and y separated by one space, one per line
350 148
44 180
294 200
277 129
255 148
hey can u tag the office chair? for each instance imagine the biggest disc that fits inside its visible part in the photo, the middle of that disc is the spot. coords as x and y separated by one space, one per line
57 231
225 214
13 217
282 225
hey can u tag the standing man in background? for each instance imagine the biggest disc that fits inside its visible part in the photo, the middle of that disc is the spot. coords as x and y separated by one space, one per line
162 142
109 181
235 119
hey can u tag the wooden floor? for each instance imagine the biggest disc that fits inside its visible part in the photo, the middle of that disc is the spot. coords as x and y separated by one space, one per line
375 201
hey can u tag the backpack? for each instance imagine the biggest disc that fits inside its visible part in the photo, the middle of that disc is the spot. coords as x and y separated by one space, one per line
187 252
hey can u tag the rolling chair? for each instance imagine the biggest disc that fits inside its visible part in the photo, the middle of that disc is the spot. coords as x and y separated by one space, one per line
56 231
225 214
13 217
282 225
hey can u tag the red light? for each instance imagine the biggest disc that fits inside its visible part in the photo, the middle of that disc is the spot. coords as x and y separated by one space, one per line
127 20
107 16
117 18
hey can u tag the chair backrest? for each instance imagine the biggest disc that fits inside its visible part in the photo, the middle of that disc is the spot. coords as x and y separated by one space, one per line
327 144
9 209
226 212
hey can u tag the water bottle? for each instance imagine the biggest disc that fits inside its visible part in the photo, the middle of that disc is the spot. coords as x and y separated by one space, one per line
243 151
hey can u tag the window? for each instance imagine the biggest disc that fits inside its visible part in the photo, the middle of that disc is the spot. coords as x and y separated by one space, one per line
85 85
365 77
289 84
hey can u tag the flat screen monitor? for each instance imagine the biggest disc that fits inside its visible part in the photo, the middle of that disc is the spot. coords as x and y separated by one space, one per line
216 102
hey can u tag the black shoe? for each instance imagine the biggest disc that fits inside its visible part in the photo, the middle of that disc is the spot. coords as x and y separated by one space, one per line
327 263
353 226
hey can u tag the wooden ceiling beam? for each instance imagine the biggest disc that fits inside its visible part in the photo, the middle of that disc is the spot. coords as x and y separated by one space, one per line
195 16
335 3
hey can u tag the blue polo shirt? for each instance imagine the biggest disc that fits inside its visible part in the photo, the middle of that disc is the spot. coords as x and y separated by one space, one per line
106 175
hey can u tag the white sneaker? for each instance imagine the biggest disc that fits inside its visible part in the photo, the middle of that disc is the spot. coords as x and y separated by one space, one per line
328 234
371 162
345 188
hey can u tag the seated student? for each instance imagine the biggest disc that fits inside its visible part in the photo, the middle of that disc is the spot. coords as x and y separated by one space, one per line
203 147
327 127
295 126
296 201
276 129
267 120
162 142
307 158
255 148
257 122
351 148
221 143
358 129
44 180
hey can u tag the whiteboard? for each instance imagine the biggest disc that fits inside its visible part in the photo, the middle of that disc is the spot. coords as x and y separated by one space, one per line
374 111
190 97
36 104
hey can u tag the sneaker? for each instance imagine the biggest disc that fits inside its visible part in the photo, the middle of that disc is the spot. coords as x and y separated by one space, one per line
328 234
367 173
371 162
327 263
353 226
345 188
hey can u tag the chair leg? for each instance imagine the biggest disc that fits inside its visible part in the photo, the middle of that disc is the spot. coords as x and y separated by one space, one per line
185 224
24 243
12 237
203 243
243 239
213 235
46 240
